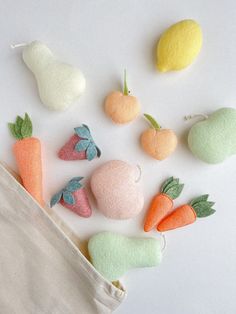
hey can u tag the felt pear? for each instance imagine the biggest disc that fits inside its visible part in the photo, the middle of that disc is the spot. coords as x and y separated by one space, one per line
214 139
179 45
113 254
59 84
117 189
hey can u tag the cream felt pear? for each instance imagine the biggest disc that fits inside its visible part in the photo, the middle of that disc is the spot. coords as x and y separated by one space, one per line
59 83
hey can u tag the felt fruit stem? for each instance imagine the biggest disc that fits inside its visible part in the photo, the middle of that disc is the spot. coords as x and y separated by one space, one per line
126 90
27 151
152 121
187 214
162 203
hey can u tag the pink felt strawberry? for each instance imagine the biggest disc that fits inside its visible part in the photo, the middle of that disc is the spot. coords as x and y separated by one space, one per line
80 146
73 197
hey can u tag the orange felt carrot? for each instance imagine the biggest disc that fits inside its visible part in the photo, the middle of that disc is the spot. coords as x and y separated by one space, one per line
162 203
27 151
187 214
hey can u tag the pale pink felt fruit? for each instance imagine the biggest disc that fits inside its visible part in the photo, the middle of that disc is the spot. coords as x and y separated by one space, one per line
68 152
81 206
117 189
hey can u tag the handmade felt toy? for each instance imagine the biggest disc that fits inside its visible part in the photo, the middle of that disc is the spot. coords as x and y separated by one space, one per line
157 142
122 107
27 151
117 190
187 214
162 203
74 197
80 146
59 83
214 139
113 254
179 45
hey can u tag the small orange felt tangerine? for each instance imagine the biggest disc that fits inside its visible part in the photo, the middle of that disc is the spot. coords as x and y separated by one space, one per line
156 142
122 107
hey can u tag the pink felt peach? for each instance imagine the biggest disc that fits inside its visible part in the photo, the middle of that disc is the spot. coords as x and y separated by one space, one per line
122 107
117 190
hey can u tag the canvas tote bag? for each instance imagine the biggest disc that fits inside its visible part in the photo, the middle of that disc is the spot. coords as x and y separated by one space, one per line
42 271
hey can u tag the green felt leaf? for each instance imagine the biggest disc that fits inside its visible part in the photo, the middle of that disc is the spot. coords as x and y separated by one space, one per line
68 198
26 127
82 145
172 183
86 128
126 90
76 179
152 121
199 199
166 183
73 186
201 213
91 151
55 199
83 132
12 129
99 153
174 191
18 125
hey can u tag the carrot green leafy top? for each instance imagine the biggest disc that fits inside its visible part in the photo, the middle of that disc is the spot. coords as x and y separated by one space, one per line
202 206
22 128
172 188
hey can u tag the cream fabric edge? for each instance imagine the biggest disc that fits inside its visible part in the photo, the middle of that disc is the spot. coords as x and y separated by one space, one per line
53 224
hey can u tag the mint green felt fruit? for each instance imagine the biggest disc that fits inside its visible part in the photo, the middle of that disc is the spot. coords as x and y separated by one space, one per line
214 139
113 254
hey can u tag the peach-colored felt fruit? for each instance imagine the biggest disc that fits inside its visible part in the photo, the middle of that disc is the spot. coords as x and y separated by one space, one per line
122 107
117 190
158 143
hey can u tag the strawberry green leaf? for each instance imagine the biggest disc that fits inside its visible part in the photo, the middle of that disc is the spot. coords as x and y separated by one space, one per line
68 198
86 127
26 127
73 186
55 199
83 132
99 153
77 179
91 152
82 145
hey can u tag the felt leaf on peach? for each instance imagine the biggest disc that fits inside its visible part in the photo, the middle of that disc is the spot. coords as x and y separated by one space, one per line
56 199
68 198
91 151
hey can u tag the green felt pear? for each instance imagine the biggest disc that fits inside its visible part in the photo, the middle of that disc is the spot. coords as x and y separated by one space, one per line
113 254
214 139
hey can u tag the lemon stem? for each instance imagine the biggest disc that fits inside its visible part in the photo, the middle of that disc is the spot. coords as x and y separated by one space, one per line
152 121
126 90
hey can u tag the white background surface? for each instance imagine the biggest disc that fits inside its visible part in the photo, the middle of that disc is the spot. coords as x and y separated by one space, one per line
198 273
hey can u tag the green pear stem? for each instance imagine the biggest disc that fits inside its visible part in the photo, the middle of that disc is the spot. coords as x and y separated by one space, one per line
152 121
126 90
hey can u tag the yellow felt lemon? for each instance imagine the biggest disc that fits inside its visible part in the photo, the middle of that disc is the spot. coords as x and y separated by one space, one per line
179 45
